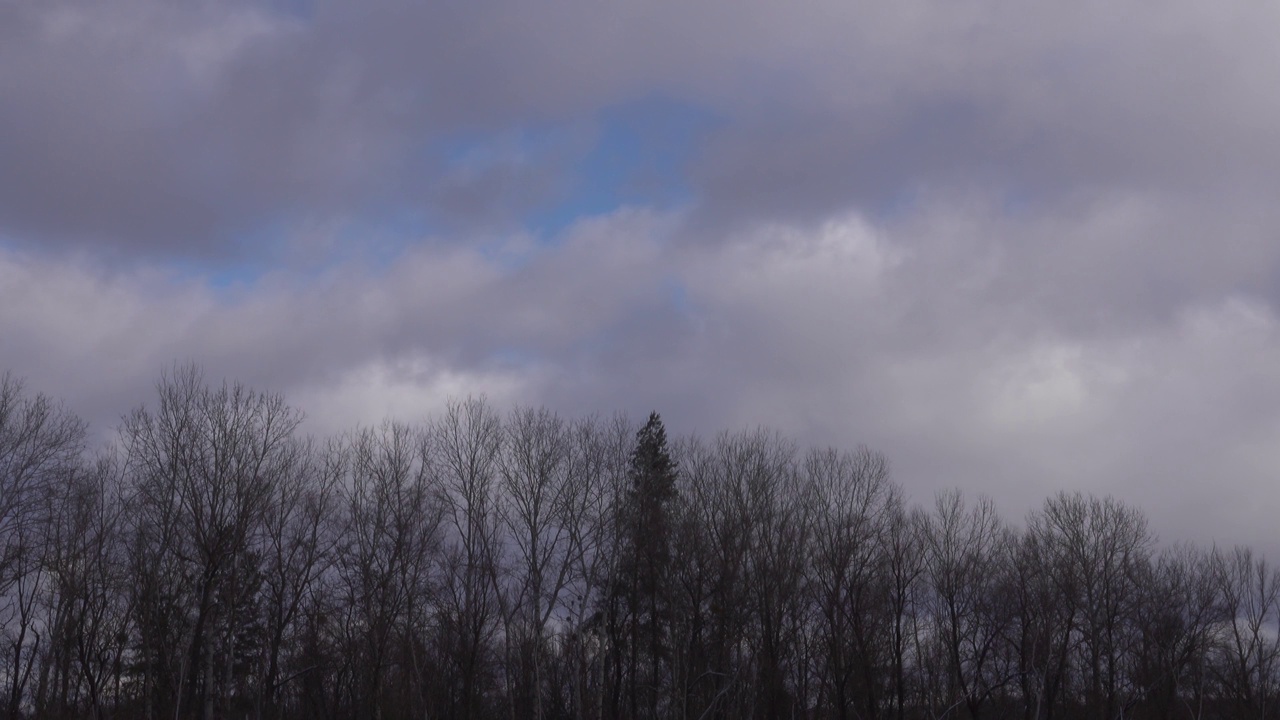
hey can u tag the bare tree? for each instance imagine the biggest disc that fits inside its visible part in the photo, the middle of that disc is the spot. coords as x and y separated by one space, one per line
22 634
206 463
1245 662
538 486
902 542
707 566
87 608
1177 623
965 548
390 544
596 481
297 547
1044 615
780 527
466 443
854 502
40 446
1093 550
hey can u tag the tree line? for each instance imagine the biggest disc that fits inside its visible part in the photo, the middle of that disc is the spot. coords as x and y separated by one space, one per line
217 563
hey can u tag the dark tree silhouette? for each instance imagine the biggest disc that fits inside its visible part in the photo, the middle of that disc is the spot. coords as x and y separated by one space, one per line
214 563
639 601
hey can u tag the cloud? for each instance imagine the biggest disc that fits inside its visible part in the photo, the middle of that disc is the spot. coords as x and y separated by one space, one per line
442 311
180 130
850 333
409 389
1017 247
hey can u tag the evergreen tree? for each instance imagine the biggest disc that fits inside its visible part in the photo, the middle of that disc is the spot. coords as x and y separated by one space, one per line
653 488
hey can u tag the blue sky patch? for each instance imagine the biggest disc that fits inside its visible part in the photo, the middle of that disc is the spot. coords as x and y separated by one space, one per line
640 156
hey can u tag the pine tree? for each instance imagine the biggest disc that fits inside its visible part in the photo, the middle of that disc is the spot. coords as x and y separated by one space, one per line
653 488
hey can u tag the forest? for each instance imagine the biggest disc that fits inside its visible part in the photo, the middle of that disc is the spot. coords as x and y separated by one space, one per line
216 562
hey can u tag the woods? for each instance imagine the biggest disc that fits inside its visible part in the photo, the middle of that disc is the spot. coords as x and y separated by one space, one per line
215 562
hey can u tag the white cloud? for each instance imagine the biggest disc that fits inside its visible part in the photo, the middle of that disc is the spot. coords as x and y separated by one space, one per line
408 389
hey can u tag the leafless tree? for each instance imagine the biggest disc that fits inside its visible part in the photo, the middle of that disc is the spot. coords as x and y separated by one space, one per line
714 546
1245 662
597 485
1178 623
902 541
389 548
1093 550
40 447
466 443
87 606
853 505
762 468
206 463
297 547
538 485
964 550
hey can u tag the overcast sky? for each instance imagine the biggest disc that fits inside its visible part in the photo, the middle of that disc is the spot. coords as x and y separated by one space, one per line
1018 247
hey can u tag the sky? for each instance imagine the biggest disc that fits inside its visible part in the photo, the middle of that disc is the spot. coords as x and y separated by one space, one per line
1017 247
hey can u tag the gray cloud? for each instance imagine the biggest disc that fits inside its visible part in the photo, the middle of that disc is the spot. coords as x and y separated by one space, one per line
1019 248
855 331
149 126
